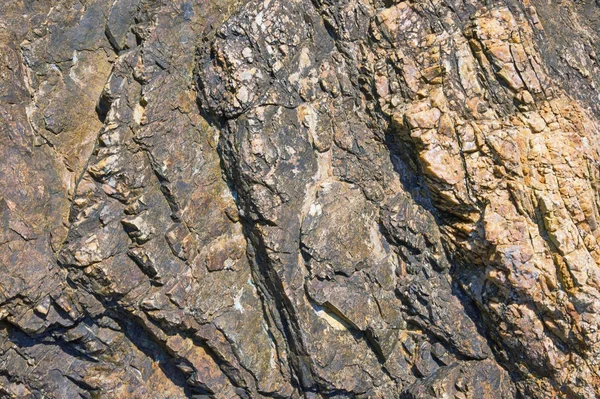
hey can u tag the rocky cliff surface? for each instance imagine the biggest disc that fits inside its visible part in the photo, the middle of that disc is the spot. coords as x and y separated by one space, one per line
299 199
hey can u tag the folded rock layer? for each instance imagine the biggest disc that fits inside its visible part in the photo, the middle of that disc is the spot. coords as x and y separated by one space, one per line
299 199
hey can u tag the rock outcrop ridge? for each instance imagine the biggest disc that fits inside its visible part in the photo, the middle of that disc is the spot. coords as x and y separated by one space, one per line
291 198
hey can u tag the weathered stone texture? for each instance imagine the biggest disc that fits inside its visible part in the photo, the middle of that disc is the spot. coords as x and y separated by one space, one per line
293 198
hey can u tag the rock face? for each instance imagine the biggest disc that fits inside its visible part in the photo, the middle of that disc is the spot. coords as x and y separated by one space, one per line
299 199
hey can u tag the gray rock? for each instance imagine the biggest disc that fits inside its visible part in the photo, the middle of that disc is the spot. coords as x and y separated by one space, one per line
299 199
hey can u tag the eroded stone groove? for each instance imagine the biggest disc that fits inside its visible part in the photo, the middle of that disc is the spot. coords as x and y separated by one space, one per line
289 198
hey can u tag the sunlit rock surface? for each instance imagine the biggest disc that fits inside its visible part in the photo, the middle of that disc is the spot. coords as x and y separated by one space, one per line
299 199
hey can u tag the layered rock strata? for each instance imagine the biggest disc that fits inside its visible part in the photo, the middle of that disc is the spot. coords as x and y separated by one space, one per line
288 198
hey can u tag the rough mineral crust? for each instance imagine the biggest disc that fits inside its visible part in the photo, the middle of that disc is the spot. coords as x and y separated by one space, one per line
299 199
